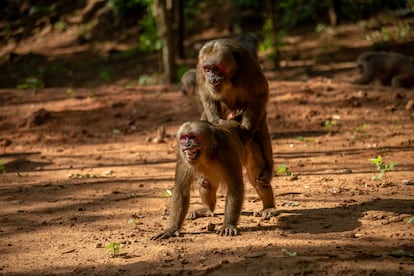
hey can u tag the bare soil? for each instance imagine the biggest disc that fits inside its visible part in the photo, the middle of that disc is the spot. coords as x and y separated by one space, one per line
85 168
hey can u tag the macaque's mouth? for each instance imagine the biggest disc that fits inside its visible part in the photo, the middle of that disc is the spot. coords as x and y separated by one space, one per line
217 84
192 153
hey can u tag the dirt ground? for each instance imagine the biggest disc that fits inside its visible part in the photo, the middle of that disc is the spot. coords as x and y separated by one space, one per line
85 168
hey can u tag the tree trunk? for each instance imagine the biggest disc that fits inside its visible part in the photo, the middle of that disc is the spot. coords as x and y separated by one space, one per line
164 16
334 11
179 28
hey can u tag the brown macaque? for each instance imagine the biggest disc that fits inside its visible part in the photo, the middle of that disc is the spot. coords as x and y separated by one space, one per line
189 87
189 84
250 41
213 155
229 75
389 68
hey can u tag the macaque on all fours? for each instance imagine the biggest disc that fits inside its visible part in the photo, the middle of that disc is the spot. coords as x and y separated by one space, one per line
213 156
389 68
229 76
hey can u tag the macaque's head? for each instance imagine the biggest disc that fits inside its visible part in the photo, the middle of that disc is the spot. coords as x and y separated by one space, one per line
195 140
188 82
216 60
360 68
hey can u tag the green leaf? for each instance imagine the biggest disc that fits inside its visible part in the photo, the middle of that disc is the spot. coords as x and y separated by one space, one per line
377 160
282 169
391 166
411 220
290 254
402 253
300 138
114 246
133 221
167 193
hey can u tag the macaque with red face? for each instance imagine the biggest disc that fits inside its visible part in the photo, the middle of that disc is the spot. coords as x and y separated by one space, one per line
229 76
213 156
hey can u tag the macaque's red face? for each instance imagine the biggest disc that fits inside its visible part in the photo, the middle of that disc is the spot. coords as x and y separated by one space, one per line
214 73
190 144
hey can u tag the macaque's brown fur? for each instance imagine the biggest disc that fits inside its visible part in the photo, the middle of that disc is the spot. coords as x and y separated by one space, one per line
189 87
250 41
213 155
229 75
389 68
188 81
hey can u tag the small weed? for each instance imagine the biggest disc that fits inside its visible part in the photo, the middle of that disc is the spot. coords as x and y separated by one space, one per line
303 139
362 128
106 74
114 248
283 169
31 83
149 79
60 25
330 123
411 220
385 34
360 132
382 168
289 253
133 221
2 167
167 193
402 253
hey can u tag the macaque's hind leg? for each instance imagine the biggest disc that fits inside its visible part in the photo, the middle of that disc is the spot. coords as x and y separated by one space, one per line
403 80
255 168
208 197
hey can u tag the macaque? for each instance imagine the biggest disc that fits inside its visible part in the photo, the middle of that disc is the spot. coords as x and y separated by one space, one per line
250 41
229 75
389 68
188 83
212 155
189 87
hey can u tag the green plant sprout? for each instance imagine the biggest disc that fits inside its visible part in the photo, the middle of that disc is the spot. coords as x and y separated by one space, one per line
330 123
289 253
362 128
283 169
114 248
167 193
411 220
106 74
382 168
31 83
303 139
133 221
2 167
402 253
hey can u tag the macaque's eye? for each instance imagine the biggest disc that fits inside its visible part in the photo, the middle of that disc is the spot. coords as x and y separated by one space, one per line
217 69
189 137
